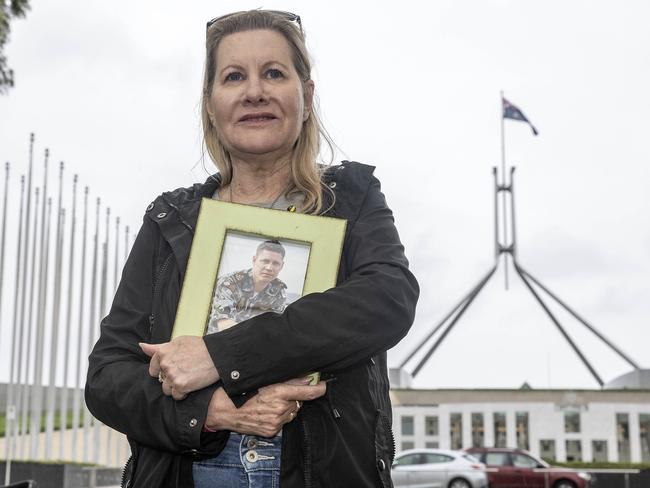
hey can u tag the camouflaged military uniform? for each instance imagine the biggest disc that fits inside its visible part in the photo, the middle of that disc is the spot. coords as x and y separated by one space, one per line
235 298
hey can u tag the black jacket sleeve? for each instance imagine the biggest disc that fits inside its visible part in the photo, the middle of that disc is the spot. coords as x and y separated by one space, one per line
369 312
119 390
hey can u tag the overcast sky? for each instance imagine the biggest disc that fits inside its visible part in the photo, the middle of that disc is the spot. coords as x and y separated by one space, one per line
113 89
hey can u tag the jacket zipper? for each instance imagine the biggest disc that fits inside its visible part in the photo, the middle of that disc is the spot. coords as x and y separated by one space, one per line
391 438
125 482
156 288
306 452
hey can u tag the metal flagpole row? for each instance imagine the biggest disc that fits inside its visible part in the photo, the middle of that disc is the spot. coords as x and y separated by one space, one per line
55 314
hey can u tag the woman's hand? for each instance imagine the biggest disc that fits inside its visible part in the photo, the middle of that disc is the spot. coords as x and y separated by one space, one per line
266 412
182 365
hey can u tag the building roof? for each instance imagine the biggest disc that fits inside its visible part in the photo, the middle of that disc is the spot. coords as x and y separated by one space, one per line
416 397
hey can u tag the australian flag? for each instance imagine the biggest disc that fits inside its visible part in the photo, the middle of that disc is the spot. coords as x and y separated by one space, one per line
510 111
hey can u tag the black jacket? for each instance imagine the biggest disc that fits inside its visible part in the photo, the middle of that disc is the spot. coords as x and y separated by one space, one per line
343 439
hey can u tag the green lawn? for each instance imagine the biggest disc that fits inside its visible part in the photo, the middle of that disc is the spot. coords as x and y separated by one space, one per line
57 421
599 465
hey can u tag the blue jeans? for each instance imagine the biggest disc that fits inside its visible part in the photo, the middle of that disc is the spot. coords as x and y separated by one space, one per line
247 461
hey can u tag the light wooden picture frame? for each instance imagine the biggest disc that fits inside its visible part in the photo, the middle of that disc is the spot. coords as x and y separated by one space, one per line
217 220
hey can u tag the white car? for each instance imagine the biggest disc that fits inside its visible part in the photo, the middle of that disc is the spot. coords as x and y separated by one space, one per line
438 468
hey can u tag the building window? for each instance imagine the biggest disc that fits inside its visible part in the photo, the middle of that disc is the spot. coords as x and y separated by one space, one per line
573 450
572 422
644 435
431 445
500 429
547 449
478 430
456 431
623 436
407 445
431 425
407 425
599 451
522 430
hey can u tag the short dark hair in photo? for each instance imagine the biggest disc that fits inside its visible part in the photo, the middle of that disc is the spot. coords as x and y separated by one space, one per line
272 245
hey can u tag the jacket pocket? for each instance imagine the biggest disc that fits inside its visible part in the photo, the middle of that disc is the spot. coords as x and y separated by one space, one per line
384 449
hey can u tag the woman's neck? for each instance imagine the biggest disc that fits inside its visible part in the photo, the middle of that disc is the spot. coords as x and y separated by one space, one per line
258 182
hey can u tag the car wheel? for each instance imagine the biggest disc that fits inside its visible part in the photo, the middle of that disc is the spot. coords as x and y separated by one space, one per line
564 484
459 483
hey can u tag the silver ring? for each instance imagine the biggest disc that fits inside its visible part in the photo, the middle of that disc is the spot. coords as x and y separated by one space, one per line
298 405
292 415
161 378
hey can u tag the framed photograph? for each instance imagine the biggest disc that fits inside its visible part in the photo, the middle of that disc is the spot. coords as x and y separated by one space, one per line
247 260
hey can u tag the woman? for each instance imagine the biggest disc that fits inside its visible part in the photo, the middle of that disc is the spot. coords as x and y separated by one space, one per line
232 408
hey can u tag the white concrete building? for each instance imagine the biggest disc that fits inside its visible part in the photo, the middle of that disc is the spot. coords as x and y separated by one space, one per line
565 425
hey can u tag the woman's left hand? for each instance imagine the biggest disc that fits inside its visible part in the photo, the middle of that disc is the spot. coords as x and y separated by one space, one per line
182 365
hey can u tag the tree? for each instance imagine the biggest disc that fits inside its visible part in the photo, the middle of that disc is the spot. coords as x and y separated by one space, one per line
8 10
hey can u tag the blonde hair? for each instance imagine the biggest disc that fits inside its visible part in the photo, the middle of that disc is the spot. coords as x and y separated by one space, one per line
305 171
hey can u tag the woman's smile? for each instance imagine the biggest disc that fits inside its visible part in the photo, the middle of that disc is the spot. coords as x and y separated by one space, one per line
257 118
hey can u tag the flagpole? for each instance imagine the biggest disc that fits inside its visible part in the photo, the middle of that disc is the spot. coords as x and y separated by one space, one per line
41 303
23 295
68 321
10 435
102 311
25 388
76 399
503 193
54 325
4 229
91 326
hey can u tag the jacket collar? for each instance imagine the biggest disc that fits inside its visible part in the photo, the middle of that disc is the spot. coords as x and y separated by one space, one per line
176 214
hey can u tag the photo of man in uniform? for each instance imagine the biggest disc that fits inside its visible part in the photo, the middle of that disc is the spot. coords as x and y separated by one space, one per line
244 294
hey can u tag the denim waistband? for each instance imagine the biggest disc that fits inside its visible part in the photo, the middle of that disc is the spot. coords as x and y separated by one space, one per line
246 461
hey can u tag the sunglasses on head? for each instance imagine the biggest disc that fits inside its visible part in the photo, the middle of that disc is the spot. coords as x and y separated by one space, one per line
291 17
